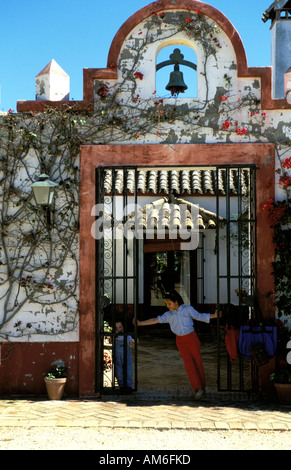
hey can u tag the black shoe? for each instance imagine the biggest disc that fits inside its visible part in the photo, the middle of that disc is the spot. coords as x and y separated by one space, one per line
125 390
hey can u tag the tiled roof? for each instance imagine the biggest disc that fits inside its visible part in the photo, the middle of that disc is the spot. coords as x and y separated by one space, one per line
52 67
173 213
269 14
179 181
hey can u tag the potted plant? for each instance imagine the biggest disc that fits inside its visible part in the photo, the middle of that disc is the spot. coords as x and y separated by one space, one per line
281 377
55 382
282 382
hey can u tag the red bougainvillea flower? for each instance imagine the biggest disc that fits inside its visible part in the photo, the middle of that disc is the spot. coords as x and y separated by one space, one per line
286 163
135 99
285 181
138 75
275 211
103 90
226 125
161 15
241 131
223 98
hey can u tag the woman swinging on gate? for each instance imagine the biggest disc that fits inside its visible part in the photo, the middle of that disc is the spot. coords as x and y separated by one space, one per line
180 318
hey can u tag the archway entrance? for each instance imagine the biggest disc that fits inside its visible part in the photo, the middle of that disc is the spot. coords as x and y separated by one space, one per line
136 262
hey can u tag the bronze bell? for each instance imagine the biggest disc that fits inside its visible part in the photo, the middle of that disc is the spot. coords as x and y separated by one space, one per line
176 84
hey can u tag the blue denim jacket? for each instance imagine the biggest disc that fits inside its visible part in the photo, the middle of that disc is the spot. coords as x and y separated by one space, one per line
181 320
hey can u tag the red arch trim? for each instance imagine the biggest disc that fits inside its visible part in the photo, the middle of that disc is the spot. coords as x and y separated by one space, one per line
265 73
163 5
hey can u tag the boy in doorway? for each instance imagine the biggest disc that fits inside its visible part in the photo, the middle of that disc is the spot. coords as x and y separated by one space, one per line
120 357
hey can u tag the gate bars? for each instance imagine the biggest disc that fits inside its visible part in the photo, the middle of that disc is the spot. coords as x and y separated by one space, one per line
116 294
237 274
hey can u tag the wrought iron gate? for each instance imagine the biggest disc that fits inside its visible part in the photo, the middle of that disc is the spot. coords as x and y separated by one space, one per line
117 260
237 273
119 277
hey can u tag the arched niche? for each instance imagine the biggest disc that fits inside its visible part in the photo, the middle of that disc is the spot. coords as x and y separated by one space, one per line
189 73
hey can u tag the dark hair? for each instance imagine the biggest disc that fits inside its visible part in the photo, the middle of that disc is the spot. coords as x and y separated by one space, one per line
174 296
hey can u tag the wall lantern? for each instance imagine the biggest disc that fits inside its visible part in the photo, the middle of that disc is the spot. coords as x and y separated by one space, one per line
176 83
44 190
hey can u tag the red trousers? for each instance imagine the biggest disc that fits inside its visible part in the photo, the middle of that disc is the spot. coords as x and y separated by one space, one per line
189 348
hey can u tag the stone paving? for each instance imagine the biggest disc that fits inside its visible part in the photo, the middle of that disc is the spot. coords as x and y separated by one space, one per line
213 412
154 407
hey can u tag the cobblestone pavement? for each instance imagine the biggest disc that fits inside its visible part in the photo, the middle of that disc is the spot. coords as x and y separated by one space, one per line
212 412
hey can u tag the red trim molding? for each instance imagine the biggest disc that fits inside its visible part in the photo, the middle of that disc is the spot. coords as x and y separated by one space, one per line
262 155
89 74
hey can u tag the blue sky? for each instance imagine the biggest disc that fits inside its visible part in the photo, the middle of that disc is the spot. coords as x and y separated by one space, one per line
78 34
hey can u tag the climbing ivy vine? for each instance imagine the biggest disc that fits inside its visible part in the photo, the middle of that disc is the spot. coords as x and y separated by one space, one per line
39 261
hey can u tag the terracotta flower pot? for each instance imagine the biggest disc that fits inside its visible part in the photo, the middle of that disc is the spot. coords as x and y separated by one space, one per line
283 393
55 387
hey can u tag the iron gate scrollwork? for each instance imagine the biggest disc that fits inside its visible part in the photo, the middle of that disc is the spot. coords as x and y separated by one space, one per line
116 287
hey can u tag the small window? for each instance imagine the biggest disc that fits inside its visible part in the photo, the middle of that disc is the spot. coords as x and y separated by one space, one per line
188 70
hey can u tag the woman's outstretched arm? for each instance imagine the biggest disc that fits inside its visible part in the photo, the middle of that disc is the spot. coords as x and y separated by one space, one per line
150 321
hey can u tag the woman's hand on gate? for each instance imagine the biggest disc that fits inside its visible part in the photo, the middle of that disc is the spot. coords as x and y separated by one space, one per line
215 314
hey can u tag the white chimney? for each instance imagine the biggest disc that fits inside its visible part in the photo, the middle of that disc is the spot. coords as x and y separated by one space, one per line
280 15
52 83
